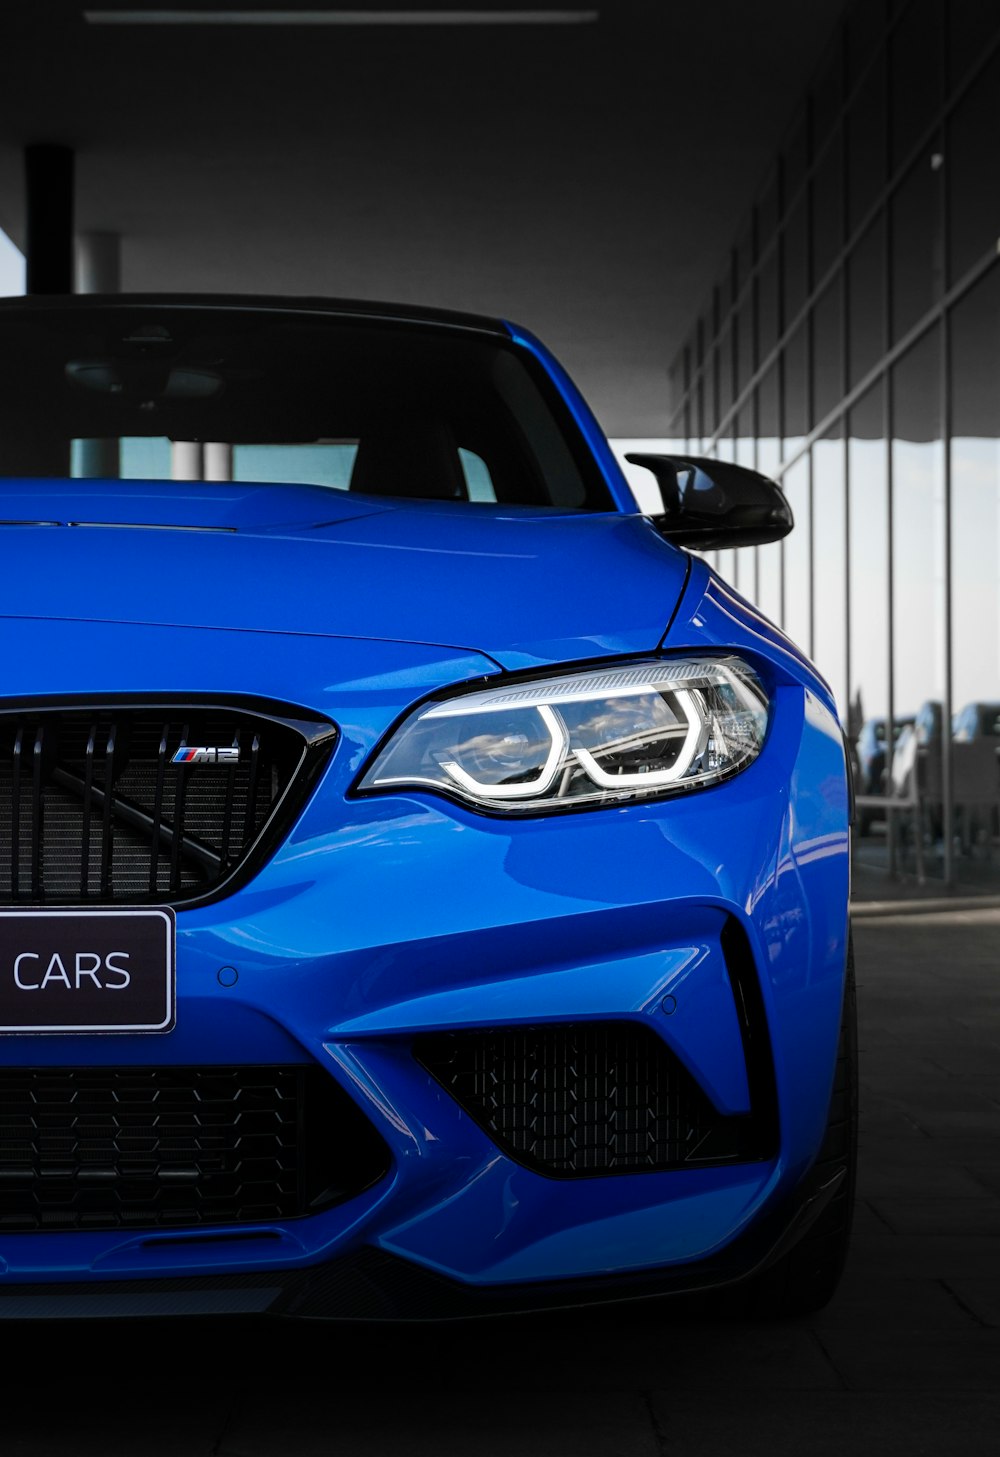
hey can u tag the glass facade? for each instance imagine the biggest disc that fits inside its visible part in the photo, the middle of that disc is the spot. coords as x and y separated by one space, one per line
851 349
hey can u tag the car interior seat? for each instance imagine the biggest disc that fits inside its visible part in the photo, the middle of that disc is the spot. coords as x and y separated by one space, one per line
415 458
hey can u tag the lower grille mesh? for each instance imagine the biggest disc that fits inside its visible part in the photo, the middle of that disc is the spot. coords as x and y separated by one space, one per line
581 1099
109 1148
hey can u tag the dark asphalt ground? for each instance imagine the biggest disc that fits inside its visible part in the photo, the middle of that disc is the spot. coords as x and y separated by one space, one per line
905 1360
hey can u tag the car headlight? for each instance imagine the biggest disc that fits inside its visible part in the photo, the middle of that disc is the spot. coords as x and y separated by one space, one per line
605 736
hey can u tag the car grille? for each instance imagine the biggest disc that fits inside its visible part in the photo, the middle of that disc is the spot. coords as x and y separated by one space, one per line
93 810
575 1100
147 1148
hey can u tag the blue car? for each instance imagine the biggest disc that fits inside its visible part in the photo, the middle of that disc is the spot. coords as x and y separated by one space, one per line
423 881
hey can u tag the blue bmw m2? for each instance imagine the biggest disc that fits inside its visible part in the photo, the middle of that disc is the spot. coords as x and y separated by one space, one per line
423 881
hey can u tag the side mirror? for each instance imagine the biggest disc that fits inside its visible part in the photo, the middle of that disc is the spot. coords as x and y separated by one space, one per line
713 503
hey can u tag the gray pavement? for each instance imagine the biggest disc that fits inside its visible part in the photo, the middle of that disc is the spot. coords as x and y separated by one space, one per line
905 1360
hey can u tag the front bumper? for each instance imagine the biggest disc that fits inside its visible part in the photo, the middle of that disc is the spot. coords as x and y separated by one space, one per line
408 915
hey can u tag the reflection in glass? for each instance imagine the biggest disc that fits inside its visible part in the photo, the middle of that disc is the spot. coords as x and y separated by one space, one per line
796 260
916 257
971 27
827 204
866 295
866 143
828 91
869 552
975 494
745 360
798 576
916 55
918 527
827 371
769 558
830 565
861 581
796 391
973 163
726 368
746 454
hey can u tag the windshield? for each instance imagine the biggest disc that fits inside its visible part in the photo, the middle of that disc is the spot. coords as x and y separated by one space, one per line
182 392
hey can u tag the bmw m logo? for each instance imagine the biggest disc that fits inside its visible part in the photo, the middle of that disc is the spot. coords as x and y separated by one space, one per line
206 756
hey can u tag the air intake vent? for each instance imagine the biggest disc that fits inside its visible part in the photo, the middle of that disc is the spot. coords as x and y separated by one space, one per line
134 804
573 1100
148 1148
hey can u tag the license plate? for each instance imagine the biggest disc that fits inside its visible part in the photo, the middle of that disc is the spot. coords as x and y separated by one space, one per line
87 970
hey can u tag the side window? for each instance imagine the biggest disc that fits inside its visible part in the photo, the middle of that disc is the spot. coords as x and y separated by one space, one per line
478 481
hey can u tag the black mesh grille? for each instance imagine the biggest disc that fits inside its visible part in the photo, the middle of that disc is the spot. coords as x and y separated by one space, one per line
110 1148
584 1099
94 810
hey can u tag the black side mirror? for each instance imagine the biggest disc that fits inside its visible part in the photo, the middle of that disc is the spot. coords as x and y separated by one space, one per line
713 503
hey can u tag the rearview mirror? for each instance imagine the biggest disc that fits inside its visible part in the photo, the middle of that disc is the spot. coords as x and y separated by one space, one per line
713 503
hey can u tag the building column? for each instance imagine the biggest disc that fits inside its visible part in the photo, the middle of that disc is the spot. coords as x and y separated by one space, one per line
98 270
98 263
48 185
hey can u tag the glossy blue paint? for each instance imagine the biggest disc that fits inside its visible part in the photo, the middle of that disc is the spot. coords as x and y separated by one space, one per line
385 915
525 586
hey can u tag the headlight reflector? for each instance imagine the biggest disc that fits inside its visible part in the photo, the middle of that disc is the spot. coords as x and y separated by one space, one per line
604 736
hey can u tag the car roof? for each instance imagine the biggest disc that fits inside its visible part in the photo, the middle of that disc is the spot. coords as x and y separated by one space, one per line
346 309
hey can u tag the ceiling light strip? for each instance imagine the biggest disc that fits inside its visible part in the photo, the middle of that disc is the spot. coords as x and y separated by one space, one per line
340 17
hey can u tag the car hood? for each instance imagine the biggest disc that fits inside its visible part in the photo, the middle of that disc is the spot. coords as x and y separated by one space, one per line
522 586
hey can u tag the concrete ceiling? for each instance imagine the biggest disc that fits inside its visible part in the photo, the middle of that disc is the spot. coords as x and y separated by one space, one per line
584 180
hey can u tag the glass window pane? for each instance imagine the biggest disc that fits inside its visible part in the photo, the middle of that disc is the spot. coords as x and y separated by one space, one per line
827 229
918 535
768 433
827 366
725 291
727 559
767 209
767 305
975 488
973 163
866 140
744 333
796 261
796 390
746 443
830 566
828 91
769 571
915 251
865 33
711 415
798 575
916 53
726 367
675 385
795 158
745 254
866 303
769 558
869 547
972 25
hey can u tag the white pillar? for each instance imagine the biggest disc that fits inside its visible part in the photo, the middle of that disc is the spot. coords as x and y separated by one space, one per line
98 263
187 462
218 460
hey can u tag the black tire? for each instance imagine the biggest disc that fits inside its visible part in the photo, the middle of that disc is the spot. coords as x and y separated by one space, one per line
806 1277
